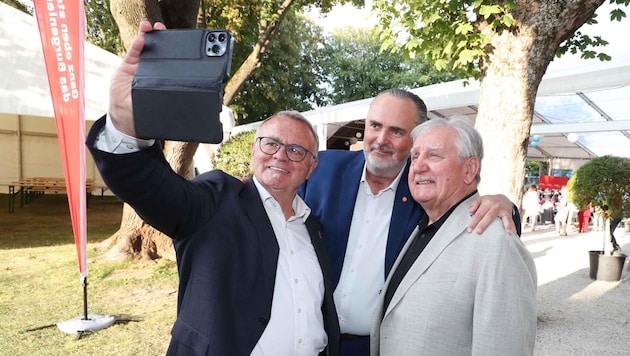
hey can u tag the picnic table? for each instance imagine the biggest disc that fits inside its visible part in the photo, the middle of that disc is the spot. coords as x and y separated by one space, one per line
31 188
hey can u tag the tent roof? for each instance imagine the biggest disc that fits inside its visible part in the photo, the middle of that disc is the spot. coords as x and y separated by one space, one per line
589 102
24 86
582 111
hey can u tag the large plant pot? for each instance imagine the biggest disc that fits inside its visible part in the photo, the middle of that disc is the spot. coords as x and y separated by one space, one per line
606 267
593 263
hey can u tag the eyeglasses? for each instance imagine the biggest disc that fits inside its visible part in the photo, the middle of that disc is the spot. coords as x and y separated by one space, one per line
270 146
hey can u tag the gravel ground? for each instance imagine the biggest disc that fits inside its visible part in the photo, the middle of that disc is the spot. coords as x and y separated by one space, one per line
576 315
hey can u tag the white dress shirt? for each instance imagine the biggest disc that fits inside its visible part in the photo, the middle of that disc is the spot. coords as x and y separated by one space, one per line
296 326
363 272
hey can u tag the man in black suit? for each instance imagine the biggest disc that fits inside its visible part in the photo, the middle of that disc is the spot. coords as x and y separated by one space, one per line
254 273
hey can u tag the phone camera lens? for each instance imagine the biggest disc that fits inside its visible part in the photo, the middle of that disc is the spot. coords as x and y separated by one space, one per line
222 37
211 38
216 49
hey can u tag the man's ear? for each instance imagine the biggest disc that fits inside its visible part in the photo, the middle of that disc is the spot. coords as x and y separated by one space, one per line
312 168
472 167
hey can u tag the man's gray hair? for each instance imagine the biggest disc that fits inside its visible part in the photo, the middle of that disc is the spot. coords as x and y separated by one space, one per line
292 114
469 142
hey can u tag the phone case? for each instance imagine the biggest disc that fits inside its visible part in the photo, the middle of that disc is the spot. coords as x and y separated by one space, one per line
177 91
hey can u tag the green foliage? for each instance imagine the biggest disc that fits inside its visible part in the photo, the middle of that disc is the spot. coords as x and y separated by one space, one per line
581 43
287 79
532 168
603 181
284 79
234 155
353 67
165 268
101 29
449 34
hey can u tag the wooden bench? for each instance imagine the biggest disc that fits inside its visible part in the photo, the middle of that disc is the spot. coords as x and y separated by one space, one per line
12 193
32 188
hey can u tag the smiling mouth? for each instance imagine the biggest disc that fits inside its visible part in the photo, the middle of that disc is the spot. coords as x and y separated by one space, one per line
278 169
382 150
419 181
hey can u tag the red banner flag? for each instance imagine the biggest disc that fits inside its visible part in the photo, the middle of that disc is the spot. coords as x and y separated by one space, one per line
62 31
552 182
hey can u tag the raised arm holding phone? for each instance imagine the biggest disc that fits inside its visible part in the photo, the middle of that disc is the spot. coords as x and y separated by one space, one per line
254 275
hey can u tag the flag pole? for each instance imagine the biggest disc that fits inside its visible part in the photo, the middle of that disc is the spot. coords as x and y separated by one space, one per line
85 300
62 31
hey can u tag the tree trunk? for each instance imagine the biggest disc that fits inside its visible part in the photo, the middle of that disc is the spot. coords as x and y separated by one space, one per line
129 13
514 68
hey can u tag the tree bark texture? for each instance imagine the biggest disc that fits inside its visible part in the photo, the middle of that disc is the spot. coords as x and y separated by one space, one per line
129 13
510 75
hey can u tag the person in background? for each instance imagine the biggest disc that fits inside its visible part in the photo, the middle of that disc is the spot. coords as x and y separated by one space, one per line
562 212
599 220
531 208
254 274
452 292
363 201
547 208
584 218
614 222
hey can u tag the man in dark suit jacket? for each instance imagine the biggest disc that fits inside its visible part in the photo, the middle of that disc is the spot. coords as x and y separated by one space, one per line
254 273
362 197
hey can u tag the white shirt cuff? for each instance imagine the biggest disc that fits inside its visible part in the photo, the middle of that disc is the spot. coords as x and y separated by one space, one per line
113 141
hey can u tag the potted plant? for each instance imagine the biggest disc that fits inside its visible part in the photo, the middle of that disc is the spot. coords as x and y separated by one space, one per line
604 182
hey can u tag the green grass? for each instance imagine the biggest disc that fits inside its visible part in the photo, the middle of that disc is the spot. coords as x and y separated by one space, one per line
40 286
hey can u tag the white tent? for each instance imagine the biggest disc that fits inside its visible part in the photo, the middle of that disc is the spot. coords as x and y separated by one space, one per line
28 137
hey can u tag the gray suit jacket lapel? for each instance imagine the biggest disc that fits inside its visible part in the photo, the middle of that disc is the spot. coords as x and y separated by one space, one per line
450 230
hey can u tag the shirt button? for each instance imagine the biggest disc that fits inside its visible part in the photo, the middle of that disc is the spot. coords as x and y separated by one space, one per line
295 280
299 341
129 146
299 310
292 252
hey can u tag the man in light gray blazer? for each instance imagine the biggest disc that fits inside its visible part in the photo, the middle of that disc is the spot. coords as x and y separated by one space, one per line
452 292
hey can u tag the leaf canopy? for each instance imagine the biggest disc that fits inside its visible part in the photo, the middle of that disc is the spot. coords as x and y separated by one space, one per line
450 34
605 182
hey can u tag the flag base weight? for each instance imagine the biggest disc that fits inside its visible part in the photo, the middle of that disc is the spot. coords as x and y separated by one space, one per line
94 322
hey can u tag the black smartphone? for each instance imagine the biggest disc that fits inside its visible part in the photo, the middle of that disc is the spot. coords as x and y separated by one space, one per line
177 91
